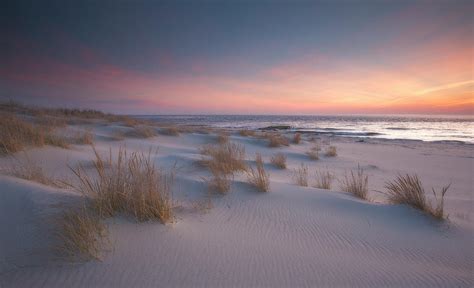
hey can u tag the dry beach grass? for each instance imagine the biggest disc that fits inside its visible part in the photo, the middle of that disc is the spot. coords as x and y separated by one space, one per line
82 235
17 134
276 140
323 179
356 183
313 152
246 133
142 132
296 138
128 183
300 175
258 177
227 157
331 151
222 160
279 160
408 189
170 131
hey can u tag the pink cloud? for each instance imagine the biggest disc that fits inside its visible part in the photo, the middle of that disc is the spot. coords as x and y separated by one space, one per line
314 83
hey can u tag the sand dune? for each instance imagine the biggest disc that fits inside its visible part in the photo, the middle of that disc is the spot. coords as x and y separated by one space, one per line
289 237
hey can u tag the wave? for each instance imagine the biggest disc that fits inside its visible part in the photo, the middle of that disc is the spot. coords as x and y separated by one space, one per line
398 128
341 133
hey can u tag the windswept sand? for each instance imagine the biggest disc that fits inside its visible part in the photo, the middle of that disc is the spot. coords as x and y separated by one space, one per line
289 237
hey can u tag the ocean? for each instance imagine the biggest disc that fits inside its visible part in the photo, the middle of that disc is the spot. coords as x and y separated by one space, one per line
413 127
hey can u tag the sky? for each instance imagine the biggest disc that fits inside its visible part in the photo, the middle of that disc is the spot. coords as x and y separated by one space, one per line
240 57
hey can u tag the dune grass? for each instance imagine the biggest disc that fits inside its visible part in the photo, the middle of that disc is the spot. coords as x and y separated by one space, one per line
220 182
84 138
55 140
117 135
331 151
246 133
356 183
313 152
258 177
323 179
300 175
227 158
128 121
129 183
28 169
82 235
222 138
17 134
170 131
276 140
279 160
59 117
408 189
142 132
297 138
223 160
16 107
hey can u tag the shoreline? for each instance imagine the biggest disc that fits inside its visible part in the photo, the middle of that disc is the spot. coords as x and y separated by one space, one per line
357 138
380 131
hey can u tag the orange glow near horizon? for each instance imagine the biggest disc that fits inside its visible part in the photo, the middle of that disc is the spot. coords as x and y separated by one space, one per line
434 78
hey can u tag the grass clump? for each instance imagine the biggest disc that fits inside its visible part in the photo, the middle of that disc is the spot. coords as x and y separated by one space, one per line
223 160
356 183
297 138
277 140
279 160
16 134
30 170
128 121
220 182
331 151
117 135
323 180
170 131
313 152
82 234
300 175
246 133
84 138
55 140
227 158
222 138
408 189
129 183
259 177
142 132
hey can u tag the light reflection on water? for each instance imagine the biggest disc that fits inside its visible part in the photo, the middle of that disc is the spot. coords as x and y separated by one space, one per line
418 127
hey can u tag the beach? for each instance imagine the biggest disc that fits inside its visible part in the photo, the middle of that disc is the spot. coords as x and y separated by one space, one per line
290 236
247 144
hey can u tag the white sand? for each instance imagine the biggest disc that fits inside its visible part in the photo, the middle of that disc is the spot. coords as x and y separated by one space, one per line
289 237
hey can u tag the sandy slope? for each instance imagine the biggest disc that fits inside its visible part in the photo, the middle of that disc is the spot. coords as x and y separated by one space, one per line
289 237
